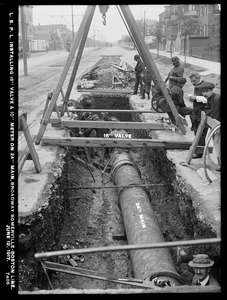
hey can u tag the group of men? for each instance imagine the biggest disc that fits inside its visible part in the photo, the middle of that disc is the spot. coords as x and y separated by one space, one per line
203 97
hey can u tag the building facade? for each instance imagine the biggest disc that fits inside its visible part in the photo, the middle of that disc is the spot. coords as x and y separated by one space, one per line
28 22
204 43
56 35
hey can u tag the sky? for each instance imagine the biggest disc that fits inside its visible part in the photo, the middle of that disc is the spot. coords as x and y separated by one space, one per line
112 31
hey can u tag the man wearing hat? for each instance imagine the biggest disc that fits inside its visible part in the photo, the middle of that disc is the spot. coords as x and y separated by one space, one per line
213 106
175 72
138 69
177 95
201 264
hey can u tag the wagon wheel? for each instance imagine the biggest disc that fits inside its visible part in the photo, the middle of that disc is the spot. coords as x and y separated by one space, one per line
154 105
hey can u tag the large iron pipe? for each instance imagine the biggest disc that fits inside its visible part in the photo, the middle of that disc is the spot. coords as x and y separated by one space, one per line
140 222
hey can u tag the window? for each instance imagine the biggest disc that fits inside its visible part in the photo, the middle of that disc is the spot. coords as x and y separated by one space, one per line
192 7
203 30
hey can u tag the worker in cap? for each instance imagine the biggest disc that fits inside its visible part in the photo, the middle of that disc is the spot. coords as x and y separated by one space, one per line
176 71
175 58
177 95
136 57
201 265
139 68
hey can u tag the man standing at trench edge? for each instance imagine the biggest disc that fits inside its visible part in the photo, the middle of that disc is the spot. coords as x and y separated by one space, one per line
139 68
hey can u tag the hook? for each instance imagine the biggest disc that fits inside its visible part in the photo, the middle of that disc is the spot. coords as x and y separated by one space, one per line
104 19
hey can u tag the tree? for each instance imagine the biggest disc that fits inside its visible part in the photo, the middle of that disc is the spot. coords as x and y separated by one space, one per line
189 26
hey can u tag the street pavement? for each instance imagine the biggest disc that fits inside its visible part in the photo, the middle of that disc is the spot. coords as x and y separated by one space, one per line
211 66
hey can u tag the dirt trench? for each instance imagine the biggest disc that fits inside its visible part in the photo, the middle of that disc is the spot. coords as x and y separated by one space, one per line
92 218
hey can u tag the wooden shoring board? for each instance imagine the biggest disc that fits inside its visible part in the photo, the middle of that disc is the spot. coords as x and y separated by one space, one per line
112 110
106 91
205 120
212 122
150 64
89 11
114 142
112 124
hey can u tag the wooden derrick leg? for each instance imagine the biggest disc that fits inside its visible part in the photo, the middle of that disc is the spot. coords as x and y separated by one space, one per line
66 107
90 10
150 64
77 62
197 137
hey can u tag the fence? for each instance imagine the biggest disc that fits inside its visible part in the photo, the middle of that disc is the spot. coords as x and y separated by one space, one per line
213 55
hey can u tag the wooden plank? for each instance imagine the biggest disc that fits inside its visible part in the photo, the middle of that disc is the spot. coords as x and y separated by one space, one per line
20 115
197 137
113 124
150 64
181 289
23 150
212 122
112 110
90 10
31 147
115 142
106 91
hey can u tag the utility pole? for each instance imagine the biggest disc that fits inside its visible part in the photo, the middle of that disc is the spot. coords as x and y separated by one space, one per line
94 36
72 25
23 41
72 22
144 24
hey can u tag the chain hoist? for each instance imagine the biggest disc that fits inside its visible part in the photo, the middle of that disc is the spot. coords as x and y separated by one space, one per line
103 9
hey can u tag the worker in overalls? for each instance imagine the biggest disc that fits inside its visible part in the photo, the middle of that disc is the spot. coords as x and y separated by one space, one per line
176 71
146 83
138 69
177 95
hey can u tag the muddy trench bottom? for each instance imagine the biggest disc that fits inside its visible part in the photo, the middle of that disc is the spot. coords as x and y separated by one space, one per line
93 218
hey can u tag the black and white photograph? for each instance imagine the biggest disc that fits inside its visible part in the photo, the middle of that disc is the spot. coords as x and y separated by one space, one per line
130 204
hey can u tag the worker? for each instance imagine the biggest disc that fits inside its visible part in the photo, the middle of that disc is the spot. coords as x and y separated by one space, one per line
145 83
177 95
213 105
176 71
213 109
201 265
199 103
138 69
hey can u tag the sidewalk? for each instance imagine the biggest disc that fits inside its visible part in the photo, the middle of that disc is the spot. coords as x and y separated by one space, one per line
211 66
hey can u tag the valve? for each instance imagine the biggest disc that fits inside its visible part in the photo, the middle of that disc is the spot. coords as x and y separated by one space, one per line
103 9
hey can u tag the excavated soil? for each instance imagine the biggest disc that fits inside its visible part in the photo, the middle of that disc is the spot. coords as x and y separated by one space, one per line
92 218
